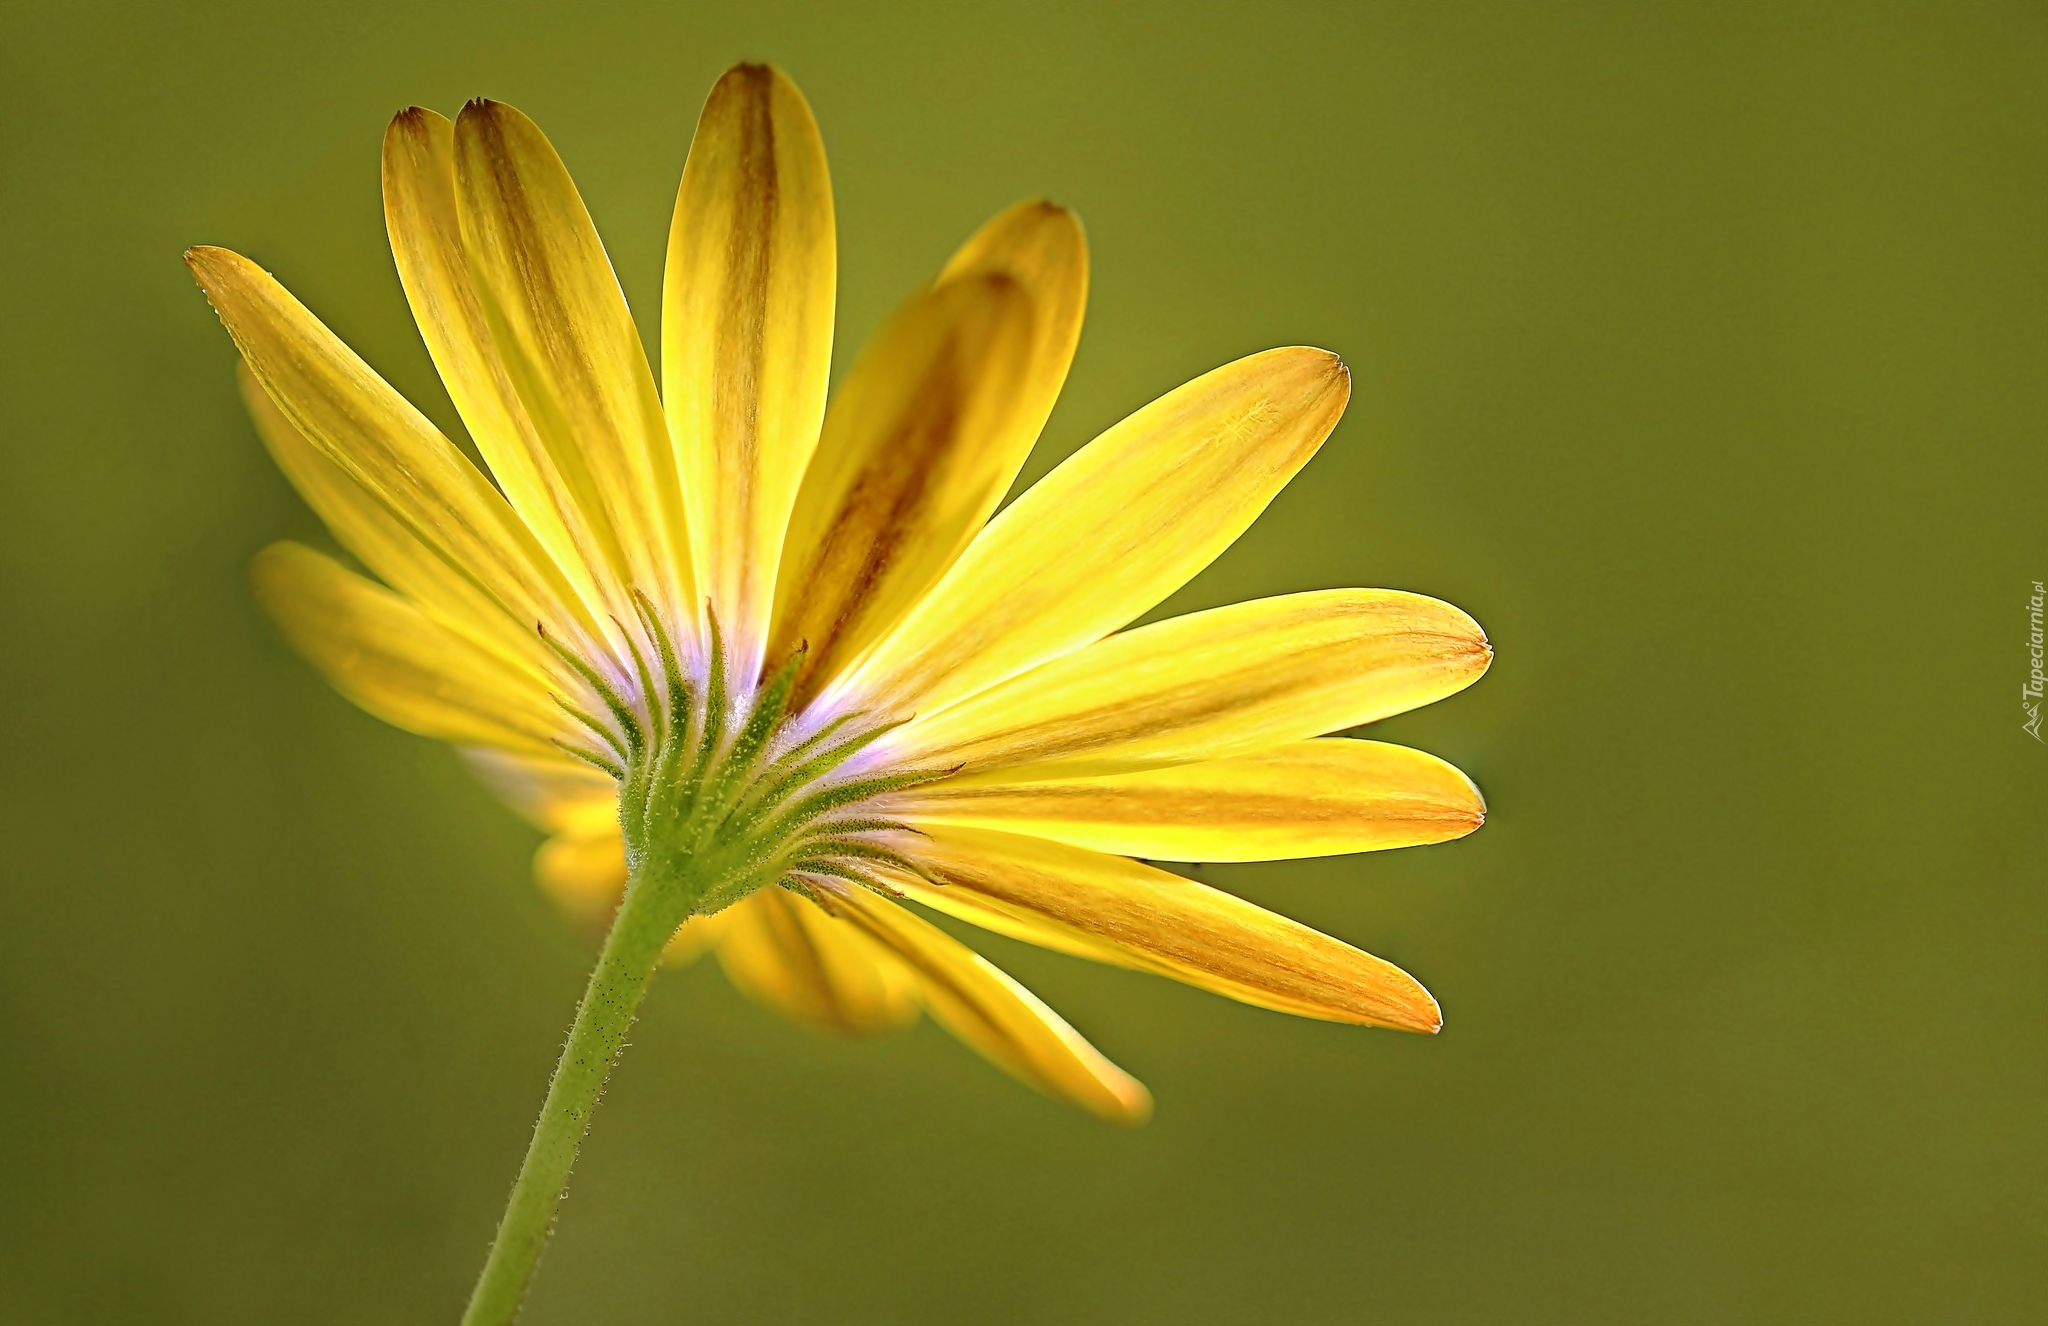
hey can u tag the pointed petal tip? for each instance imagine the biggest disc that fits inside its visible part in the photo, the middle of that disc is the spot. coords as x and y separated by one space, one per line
1133 1105
1460 636
1316 369
212 266
1050 213
750 76
1418 1012
754 80
1047 209
265 561
411 123
1340 373
484 110
1480 649
1462 804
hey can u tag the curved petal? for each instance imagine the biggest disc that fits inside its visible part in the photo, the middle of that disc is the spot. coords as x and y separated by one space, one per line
1117 910
1306 798
746 336
1040 245
379 440
583 865
366 528
926 433
1004 1022
391 659
551 792
568 345
902 478
1211 684
555 497
782 950
696 937
587 876
1121 524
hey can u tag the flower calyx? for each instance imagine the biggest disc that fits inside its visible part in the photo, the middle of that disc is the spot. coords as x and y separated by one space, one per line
717 798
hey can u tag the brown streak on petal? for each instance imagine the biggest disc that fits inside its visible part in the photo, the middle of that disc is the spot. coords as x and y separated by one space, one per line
1139 916
742 324
746 338
534 271
1111 531
907 470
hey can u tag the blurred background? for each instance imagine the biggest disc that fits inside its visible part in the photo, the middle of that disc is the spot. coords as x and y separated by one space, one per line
1699 353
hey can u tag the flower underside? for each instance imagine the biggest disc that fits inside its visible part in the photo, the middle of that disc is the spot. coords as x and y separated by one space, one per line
717 800
611 622
974 726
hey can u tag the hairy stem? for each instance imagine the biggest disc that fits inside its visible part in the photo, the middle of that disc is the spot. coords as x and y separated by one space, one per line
645 920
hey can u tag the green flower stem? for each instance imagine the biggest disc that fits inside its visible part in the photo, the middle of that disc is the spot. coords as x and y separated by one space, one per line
646 919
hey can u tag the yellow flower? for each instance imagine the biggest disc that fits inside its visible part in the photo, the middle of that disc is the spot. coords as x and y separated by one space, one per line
720 625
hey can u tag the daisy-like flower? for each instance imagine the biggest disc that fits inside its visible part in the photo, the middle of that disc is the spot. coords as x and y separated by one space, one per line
765 670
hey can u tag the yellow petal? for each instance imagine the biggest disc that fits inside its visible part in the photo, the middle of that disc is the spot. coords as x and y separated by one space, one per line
553 793
1121 524
390 658
1042 246
746 336
696 937
567 343
1211 684
587 876
1306 798
367 529
926 433
1007 1024
1118 910
906 471
424 220
780 949
379 440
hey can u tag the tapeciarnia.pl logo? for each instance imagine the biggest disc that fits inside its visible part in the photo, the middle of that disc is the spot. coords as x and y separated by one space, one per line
2030 694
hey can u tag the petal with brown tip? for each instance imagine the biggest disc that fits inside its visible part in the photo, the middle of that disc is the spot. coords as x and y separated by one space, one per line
1114 909
379 440
784 951
926 433
559 324
1121 524
1007 1024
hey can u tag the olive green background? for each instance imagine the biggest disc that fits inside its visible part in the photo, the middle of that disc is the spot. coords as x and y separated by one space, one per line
1699 353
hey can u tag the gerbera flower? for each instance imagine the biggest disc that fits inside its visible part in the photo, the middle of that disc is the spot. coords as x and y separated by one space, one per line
764 670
